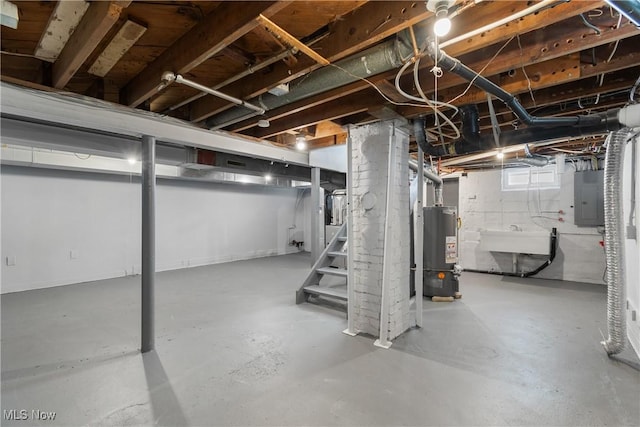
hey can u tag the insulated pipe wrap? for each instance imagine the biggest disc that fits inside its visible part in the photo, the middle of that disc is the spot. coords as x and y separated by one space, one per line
614 242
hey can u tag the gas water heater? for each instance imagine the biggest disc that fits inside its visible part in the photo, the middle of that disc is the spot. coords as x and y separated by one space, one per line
440 253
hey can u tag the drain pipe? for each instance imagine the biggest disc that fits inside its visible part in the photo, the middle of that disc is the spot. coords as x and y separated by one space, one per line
453 65
168 77
552 255
434 178
421 139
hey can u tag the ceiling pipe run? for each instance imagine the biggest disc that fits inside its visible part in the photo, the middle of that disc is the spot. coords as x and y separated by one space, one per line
421 139
540 128
379 59
168 77
453 65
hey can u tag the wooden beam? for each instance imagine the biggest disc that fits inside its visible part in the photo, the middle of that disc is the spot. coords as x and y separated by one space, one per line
349 36
487 12
124 39
95 24
25 83
62 23
291 41
226 24
313 101
533 51
362 28
328 111
327 128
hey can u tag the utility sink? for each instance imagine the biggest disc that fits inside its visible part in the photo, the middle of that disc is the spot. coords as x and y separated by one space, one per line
519 242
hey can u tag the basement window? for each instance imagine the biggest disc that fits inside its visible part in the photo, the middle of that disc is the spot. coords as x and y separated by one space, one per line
528 178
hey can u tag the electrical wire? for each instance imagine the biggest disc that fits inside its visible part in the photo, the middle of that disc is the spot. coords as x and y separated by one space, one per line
525 71
479 73
632 93
613 52
428 103
373 85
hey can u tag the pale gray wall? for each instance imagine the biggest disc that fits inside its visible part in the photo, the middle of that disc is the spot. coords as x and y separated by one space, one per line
632 248
46 214
483 205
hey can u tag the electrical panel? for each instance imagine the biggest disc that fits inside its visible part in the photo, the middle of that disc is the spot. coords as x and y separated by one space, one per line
588 198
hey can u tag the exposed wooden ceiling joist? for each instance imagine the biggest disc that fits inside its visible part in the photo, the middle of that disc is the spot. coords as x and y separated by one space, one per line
360 29
62 23
124 39
199 44
95 24
535 50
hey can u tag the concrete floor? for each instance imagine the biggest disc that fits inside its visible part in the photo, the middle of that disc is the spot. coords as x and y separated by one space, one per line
234 349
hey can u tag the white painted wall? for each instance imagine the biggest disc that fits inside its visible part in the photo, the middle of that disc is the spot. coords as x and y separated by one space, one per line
63 227
632 248
484 206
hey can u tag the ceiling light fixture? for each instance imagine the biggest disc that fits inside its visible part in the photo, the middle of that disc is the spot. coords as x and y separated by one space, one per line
267 177
500 155
301 144
132 160
440 8
264 123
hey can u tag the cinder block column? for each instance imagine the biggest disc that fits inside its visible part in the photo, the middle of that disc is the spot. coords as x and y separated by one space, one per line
370 157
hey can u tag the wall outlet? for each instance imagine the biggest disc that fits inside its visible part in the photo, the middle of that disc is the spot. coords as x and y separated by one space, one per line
73 254
11 261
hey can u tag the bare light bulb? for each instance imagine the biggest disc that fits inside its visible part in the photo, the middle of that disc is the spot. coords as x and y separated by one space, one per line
442 26
500 155
267 177
132 160
301 144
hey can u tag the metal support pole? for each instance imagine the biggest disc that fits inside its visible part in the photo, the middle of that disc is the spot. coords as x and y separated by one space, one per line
317 216
351 294
418 241
148 241
383 341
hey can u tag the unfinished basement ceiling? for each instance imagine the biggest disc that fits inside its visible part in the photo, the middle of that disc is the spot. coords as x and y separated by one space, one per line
568 58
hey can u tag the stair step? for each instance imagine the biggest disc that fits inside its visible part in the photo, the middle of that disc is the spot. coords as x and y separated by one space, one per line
327 292
337 254
342 238
333 271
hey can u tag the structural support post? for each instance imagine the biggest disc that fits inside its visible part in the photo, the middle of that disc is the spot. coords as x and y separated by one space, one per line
317 216
383 341
351 295
148 241
418 240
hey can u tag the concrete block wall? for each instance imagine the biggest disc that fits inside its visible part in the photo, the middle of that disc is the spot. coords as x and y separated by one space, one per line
370 156
484 206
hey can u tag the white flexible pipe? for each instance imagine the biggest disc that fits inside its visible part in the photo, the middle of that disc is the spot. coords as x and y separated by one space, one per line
614 242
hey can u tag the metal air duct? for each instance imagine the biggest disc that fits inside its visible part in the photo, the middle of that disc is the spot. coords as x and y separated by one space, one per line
378 59
614 242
